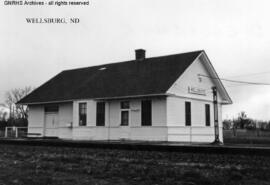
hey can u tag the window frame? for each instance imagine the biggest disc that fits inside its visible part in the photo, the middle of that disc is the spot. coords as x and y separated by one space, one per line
124 109
54 108
99 114
80 113
188 113
207 115
123 103
147 123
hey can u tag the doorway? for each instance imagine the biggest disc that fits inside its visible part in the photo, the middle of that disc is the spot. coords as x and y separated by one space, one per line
51 125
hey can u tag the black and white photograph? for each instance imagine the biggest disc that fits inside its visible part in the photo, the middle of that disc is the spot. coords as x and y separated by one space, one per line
133 92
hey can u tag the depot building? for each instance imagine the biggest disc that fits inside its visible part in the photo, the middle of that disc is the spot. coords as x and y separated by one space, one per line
165 98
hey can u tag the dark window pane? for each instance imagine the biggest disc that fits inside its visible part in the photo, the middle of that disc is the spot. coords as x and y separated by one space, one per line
82 114
82 120
146 113
207 114
100 114
124 118
125 105
188 113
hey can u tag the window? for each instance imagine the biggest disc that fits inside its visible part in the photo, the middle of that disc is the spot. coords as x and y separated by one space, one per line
125 105
100 114
82 114
124 113
51 108
188 113
146 113
124 118
207 114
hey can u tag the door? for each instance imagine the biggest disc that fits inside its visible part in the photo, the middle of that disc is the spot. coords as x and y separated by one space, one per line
51 125
125 122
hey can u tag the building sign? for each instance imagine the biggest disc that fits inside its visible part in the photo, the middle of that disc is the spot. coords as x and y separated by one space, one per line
195 90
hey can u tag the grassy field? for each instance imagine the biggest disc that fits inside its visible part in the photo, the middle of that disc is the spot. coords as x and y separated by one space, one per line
51 165
243 136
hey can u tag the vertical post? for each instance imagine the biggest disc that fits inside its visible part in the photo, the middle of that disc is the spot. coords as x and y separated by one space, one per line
216 141
108 110
6 131
16 132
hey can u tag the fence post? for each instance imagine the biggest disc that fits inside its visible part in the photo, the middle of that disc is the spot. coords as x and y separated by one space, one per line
258 132
16 132
6 131
234 131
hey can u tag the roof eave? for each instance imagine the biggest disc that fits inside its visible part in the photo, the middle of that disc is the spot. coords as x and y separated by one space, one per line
229 100
97 99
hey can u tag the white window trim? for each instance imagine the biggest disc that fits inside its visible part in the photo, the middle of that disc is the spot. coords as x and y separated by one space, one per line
151 102
122 110
104 114
190 114
120 115
85 113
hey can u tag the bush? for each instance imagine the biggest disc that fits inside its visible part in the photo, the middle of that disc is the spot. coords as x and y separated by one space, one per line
251 126
3 124
19 122
227 124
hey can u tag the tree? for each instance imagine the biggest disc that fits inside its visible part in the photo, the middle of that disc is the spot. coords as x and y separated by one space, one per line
242 119
227 124
12 97
3 114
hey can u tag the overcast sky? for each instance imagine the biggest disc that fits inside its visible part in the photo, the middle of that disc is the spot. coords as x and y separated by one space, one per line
234 34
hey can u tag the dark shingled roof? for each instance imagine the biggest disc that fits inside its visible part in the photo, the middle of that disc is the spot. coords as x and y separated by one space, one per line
150 76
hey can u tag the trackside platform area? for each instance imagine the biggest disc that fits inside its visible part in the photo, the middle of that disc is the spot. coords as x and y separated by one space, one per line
145 145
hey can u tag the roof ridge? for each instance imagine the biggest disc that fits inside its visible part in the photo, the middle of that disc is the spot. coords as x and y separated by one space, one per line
112 63
169 55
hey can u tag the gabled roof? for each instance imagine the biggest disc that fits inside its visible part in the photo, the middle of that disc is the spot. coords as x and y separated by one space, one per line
152 76
214 76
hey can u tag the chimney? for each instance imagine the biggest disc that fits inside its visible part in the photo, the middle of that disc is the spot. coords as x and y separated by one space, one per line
140 54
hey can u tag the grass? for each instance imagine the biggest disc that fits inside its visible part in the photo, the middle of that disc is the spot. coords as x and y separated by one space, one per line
251 137
63 165
251 141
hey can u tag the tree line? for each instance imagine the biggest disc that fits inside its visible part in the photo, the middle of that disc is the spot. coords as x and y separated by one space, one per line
244 122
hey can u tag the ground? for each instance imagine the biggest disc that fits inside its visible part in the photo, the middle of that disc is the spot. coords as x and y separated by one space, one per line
63 165
250 137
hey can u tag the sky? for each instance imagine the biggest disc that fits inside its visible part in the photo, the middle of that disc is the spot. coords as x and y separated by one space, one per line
234 34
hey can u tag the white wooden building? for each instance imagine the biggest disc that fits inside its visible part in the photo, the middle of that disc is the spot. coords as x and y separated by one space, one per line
167 98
